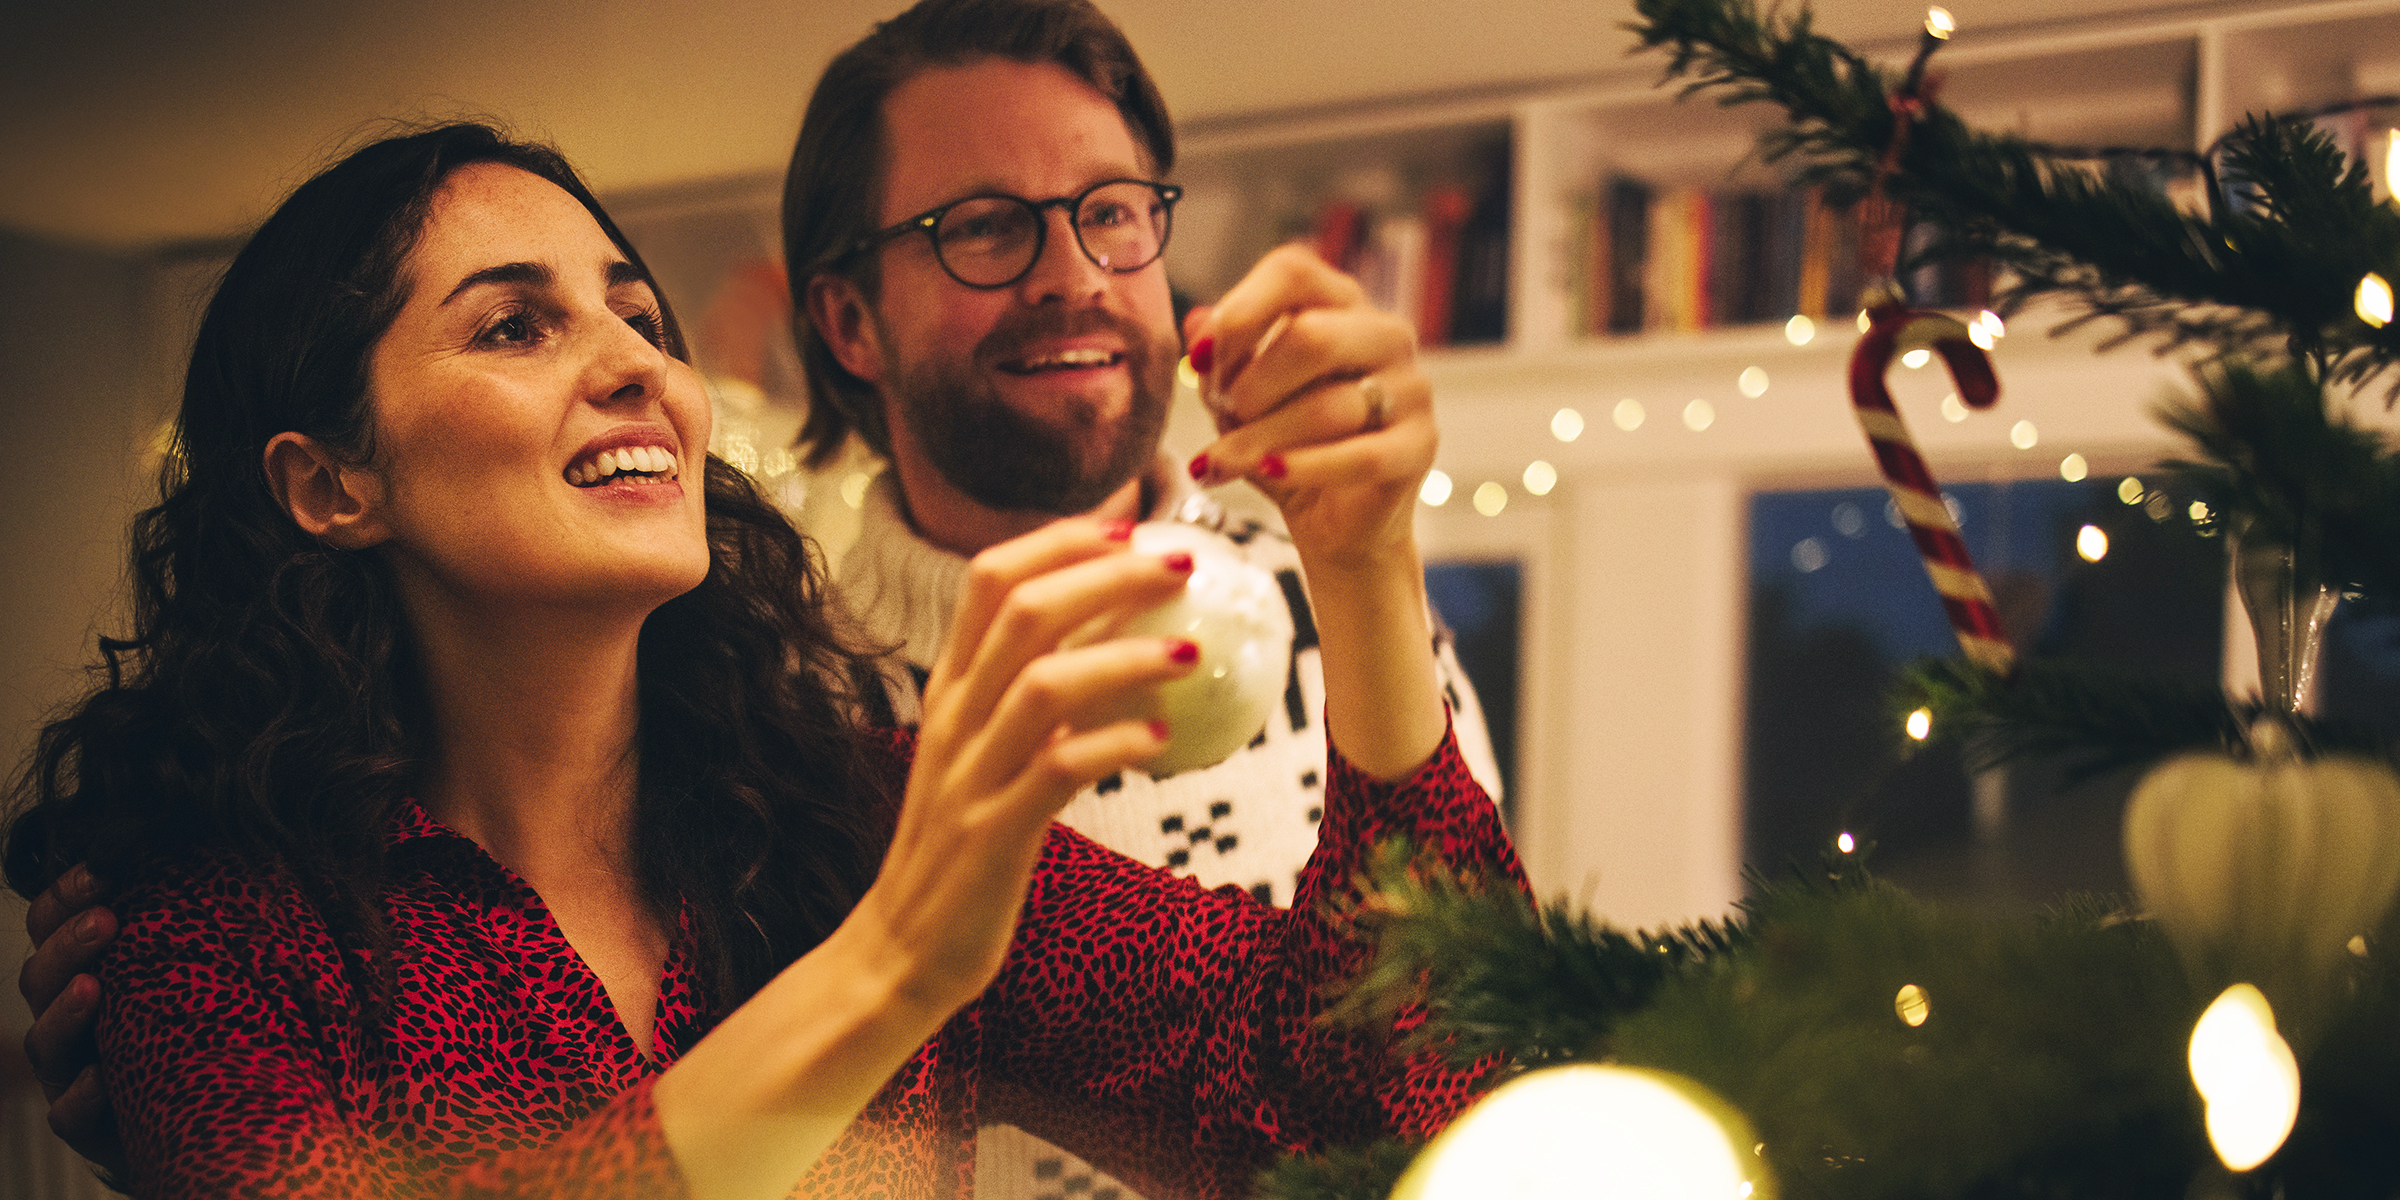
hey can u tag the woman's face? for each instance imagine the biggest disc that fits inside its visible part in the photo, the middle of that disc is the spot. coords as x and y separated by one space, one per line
536 445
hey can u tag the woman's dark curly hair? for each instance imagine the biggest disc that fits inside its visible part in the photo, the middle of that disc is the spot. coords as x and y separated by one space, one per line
267 700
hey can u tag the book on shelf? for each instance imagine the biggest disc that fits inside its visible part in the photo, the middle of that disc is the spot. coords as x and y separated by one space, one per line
1677 259
1441 263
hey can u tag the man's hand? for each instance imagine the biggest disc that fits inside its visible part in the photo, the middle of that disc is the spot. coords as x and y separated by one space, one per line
69 929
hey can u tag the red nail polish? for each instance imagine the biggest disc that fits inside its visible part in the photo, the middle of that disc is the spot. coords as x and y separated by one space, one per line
1117 529
1179 562
1204 353
1185 651
1199 466
1271 466
1158 729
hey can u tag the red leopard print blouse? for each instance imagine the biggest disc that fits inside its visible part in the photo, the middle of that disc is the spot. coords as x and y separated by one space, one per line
1164 1032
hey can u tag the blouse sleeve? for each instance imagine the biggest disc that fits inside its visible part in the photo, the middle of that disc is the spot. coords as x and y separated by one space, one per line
227 1034
1170 1034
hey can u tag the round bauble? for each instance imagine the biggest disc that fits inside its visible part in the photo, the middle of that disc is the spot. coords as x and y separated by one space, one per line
1237 614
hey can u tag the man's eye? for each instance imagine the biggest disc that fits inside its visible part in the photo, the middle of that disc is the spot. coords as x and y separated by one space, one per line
1105 215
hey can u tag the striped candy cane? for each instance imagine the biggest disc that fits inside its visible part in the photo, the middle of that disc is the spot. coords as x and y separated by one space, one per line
1892 329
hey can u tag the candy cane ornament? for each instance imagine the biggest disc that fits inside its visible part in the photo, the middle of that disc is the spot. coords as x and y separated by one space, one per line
1893 329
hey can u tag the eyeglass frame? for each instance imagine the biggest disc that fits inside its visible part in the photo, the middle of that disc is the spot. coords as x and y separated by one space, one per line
931 219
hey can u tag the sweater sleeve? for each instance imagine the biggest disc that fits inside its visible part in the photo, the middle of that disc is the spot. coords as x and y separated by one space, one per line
1171 1035
228 1034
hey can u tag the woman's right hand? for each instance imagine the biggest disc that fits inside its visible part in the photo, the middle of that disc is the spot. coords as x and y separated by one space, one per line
1018 718
1021 712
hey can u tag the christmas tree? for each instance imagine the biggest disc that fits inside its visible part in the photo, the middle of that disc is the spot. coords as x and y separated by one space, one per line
2231 1030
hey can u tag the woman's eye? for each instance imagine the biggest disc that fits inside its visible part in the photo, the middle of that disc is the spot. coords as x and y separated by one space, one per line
650 324
513 329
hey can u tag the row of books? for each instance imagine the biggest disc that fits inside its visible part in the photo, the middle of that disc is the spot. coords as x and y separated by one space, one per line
1654 259
1442 263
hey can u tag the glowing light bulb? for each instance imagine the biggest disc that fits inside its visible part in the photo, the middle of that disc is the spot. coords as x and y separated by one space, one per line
1920 727
1585 1130
1753 382
1799 331
1991 324
1916 358
2024 436
1940 23
1954 410
1566 425
2130 489
2391 167
1491 496
1540 477
2091 543
1845 843
1699 415
2073 469
2374 301
1436 489
2200 512
1980 336
2246 1074
1911 1005
1628 415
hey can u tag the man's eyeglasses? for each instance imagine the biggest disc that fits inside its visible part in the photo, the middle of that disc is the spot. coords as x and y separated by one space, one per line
993 241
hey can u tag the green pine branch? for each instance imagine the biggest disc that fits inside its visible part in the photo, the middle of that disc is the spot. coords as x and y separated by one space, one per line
2272 273
1496 976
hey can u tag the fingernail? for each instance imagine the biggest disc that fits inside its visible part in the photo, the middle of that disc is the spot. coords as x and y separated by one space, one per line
1199 466
87 927
1179 562
1271 466
1158 729
1117 529
1185 651
1204 353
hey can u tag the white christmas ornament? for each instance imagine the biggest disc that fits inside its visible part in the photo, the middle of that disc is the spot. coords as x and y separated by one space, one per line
1588 1131
2262 871
1235 611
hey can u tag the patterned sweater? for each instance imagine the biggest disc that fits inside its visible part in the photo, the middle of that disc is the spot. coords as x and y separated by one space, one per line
1164 1031
1248 822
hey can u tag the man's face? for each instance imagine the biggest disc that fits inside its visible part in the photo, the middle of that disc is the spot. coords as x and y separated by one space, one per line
1048 394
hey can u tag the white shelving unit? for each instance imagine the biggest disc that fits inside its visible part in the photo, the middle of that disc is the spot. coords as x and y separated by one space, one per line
1628 789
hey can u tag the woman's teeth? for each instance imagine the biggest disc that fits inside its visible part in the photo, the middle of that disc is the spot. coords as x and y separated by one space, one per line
635 460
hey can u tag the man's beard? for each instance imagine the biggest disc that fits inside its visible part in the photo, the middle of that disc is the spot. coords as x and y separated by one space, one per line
1004 459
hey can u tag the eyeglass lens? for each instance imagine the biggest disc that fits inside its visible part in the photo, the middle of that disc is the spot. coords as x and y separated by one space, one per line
989 241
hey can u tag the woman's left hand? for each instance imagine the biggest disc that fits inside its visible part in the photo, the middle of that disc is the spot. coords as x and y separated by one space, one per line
1319 403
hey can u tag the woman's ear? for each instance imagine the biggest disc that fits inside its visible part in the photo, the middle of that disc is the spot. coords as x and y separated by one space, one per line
338 503
837 310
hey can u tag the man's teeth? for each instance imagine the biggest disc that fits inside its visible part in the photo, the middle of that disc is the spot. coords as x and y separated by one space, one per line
647 460
1073 358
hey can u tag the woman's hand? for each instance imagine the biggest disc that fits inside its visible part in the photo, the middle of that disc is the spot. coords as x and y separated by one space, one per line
1320 403
1018 718
1022 711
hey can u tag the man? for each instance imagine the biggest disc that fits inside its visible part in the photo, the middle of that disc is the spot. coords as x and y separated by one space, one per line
1014 363
973 220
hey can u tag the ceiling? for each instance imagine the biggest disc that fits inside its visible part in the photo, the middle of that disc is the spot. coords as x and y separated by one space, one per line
141 122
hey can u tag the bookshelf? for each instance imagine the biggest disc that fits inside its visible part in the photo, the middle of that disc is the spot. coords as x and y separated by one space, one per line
1629 776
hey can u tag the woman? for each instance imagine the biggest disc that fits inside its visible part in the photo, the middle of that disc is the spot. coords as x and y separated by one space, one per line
497 822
